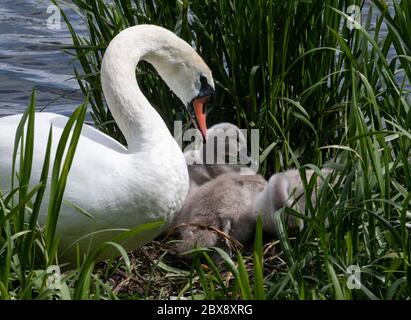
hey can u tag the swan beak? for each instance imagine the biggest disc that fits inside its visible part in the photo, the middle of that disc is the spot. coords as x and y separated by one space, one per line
199 105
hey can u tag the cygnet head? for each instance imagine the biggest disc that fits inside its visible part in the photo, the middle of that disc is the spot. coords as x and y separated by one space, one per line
225 143
192 157
276 195
286 190
220 138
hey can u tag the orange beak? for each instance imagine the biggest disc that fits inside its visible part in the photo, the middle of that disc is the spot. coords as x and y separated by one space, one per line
199 110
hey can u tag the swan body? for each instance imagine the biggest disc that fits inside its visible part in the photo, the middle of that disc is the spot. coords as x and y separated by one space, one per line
121 187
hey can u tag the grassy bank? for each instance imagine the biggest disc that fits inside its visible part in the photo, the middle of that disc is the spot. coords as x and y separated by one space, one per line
321 94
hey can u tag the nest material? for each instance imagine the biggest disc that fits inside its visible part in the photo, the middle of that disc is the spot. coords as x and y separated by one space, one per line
158 273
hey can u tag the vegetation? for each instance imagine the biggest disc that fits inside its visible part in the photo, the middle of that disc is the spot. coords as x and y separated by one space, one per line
320 93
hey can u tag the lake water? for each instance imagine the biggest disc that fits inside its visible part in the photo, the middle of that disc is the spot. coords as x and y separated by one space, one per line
31 55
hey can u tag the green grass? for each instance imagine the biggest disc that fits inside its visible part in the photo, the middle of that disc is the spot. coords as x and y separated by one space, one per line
320 94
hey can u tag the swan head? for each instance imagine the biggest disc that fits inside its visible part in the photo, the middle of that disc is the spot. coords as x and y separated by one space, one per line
188 76
197 106
195 88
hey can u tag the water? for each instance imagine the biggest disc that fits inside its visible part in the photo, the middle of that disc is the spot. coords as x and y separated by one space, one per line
31 55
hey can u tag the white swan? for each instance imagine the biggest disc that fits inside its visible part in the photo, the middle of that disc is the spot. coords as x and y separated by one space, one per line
123 188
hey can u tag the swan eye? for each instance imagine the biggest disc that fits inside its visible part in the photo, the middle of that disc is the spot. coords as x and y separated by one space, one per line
203 80
205 90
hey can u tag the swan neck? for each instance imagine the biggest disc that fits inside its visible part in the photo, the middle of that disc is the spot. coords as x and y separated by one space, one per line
136 118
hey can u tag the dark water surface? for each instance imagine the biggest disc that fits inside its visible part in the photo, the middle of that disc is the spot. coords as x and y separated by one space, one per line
31 55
